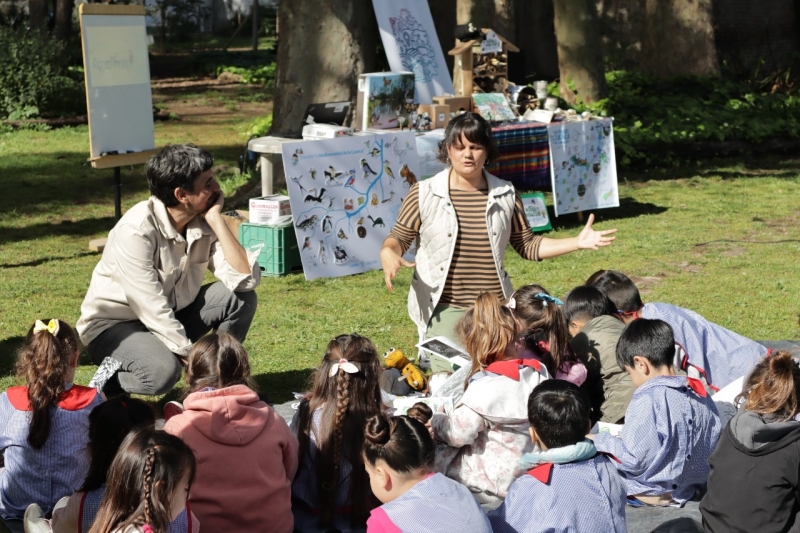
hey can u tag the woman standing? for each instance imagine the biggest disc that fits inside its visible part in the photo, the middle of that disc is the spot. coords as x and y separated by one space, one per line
464 218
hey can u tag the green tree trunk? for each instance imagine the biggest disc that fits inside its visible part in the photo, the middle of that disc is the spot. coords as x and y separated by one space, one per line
323 48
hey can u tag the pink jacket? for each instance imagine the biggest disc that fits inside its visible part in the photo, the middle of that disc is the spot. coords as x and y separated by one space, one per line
246 460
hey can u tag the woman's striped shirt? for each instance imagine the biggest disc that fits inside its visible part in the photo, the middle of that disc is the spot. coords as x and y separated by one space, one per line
472 269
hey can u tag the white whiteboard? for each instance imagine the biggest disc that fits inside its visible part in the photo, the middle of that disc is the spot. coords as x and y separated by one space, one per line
119 99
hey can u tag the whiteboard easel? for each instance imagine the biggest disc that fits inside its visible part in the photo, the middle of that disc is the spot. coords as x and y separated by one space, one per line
119 101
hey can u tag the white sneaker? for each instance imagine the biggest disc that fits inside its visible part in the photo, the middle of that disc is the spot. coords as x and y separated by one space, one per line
34 520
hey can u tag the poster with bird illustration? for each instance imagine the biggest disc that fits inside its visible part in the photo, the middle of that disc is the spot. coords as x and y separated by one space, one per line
345 195
583 170
410 41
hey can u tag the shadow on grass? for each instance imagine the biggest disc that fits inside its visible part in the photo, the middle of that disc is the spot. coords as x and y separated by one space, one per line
87 226
750 166
44 260
8 354
279 386
628 208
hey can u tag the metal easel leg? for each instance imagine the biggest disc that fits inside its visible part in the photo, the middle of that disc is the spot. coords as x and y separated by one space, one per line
117 193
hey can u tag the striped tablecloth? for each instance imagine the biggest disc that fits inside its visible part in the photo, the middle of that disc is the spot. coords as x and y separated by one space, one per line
524 155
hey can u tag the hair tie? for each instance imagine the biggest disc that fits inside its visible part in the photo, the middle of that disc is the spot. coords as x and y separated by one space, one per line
512 303
51 326
547 298
345 365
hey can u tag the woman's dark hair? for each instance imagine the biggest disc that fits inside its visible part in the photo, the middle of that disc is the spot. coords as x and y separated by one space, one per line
176 166
43 362
619 288
109 424
486 329
346 402
475 129
543 321
652 339
402 442
142 480
773 387
585 303
558 412
217 360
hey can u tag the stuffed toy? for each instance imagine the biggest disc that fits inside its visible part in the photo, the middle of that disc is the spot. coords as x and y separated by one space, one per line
394 358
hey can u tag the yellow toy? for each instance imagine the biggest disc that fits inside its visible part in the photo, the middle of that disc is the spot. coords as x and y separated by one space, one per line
394 358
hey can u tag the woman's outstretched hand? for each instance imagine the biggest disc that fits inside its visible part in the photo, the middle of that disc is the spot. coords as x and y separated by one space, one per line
391 262
589 239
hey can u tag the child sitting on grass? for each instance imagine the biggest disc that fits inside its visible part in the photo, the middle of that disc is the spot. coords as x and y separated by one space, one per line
595 331
671 424
331 489
246 455
148 484
109 424
720 355
754 482
487 431
44 425
398 456
543 333
570 487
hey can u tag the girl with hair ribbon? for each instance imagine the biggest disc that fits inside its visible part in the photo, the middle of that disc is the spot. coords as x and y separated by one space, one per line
44 424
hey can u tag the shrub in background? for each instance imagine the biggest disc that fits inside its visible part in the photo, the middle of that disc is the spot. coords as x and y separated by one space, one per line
34 80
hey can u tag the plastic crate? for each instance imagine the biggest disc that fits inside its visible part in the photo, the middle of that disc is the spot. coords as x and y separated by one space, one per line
280 254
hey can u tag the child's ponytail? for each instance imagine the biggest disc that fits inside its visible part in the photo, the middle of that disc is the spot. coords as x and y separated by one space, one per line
543 320
44 362
773 387
486 330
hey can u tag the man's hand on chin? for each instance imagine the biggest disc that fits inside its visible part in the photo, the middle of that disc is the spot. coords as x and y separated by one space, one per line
215 210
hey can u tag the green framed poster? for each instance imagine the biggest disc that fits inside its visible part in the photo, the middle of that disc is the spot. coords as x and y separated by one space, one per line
536 211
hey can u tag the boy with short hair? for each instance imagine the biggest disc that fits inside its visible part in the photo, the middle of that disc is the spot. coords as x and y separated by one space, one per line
671 425
595 331
572 487
720 355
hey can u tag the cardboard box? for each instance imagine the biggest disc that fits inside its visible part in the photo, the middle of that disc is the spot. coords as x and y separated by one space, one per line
456 103
234 219
268 208
440 114
382 98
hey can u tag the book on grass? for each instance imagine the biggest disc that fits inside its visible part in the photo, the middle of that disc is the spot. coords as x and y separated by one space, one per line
445 355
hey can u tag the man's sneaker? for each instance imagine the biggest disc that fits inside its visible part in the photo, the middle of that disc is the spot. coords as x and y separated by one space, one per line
171 409
34 520
106 378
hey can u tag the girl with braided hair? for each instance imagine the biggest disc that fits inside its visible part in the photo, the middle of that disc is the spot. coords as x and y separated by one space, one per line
44 424
148 484
331 489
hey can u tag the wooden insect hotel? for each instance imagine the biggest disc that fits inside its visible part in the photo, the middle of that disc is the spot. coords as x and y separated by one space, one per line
476 71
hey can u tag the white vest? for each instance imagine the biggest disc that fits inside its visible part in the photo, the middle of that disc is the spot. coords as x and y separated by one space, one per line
437 241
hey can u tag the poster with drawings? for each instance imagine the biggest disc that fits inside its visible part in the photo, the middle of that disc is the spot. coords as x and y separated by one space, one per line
409 38
583 170
345 195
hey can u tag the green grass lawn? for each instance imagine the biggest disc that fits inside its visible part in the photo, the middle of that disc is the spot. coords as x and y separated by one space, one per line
720 238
